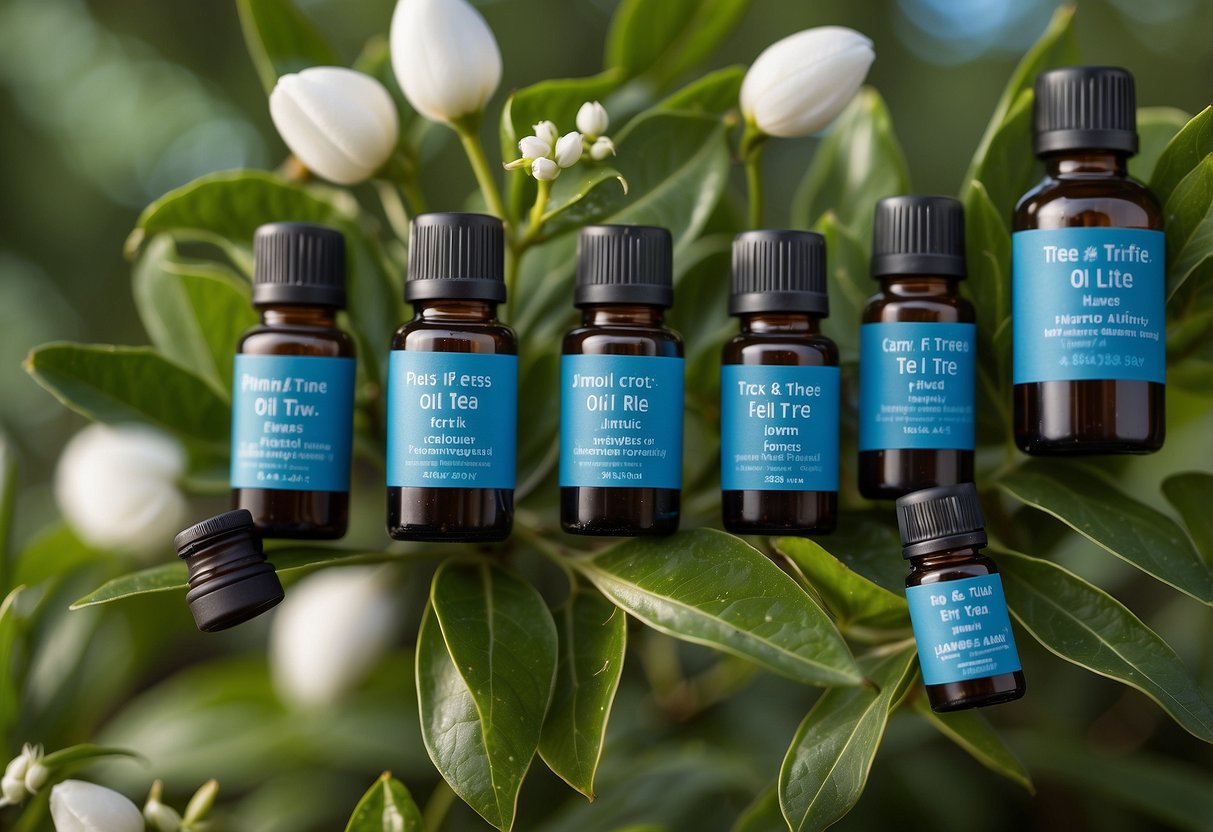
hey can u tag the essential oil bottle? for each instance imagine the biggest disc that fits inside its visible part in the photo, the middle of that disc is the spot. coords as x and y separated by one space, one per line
779 383
453 388
1087 277
293 388
966 649
621 377
917 352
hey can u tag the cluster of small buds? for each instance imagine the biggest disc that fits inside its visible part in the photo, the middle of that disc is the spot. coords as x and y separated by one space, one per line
593 121
545 153
24 775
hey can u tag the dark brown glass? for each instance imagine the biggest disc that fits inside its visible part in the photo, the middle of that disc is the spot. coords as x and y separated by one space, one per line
452 514
783 340
1089 190
887 474
956 565
314 515
621 512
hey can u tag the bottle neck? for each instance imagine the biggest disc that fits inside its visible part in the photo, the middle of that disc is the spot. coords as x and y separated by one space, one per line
622 315
919 285
945 558
766 323
290 315
463 311
1090 163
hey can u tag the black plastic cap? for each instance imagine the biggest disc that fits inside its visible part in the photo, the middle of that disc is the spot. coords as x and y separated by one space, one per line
456 256
229 578
299 263
624 264
779 271
1084 108
935 519
918 235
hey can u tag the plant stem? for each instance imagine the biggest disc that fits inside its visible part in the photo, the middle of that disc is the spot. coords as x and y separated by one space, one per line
393 207
513 255
541 203
752 141
437 807
468 135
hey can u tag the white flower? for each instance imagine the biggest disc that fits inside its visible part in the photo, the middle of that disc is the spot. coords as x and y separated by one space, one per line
12 790
329 632
602 148
568 150
546 132
18 766
117 487
36 776
592 119
445 57
77 806
533 147
340 123
545 170
800 84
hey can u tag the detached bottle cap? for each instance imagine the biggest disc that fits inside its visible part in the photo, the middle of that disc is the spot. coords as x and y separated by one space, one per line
779 271
1084 108
945 517
296 262
229 578
624 264
456 256
918 235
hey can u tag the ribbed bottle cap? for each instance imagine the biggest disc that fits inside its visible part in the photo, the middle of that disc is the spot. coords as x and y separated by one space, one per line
1084 107
624 264
456 256
934 519
918 235
779 271
229 578
297 262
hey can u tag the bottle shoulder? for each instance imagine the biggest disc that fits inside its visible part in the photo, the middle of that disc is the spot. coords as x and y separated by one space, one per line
280 339
488 337
623 340
1088 201
791 350
926 571
884 308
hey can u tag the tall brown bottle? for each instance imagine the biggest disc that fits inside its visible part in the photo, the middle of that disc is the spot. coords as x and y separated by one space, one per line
1088 284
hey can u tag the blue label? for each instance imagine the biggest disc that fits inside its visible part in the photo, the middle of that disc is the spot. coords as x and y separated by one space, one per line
962 630
620 421
292 422
452 419
1087 305
778 428
916 386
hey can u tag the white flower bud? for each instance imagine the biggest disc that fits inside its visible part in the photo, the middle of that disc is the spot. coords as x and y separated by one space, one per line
445 57
602 148
592 119
533 147
18 766
545 169
568 150
36 777
800 84
546 132
117 487
77 806
160 817
330 630
340 123
12 789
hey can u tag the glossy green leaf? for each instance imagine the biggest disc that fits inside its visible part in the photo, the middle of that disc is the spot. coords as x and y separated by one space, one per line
486 667
662 39
1183 153
572 203
280 39
858 163
762 815
1189 224
125 384
865 541
1097 510
849 285
387 806
79 753
711 588
857 604
973 733
10 690
593 636
715 93
1191 493
1156 127
1083 624
1009 168
827 764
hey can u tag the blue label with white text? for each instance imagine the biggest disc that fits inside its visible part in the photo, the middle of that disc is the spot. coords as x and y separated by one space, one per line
292 422
621 421
452 419
778 428
962 630
1087 304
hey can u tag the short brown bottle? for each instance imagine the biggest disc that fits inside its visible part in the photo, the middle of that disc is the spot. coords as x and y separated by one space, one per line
1087 278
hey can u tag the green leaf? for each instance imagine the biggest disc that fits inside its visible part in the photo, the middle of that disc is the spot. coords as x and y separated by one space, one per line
827 764
1191 493
971 731
1097 510
53 555
10 690
1083 624
662 39
280 39
124 384
1183 153
858 163
194 312
593 636
715 93
849 285
1156 127
78 753
857 604
486 666
863 541
988 246
1009 168
1189 223
387 806
572 203
711 588
763 815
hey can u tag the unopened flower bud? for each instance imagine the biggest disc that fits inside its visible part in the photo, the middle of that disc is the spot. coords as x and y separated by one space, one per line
568 150
36 777
602 148
533 147
592 119
13 789
546 132
18 766
77 806
445 57
545 170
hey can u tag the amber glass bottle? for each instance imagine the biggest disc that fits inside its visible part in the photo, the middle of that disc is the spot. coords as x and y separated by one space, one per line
966 649
453 388
918 352
1087 278
779 384
293 388
621 376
